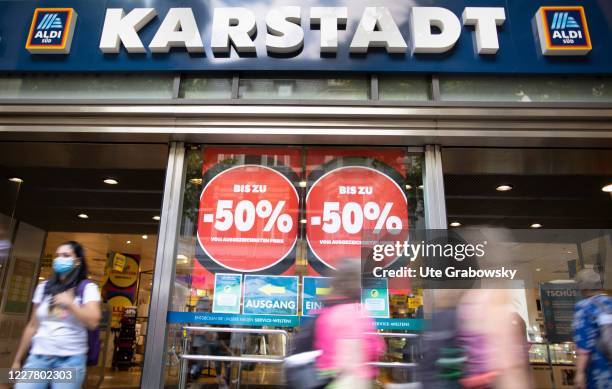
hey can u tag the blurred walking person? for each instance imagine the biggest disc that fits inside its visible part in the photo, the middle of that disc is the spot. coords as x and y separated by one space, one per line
592 320
65 308
475 339
342 332
493 336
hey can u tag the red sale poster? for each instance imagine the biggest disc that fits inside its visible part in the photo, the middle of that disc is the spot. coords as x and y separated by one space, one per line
249 207
354 197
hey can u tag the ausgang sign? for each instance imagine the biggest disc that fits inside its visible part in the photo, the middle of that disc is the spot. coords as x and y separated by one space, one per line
432 30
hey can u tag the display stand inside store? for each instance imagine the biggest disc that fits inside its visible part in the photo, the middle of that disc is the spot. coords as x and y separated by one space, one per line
125 338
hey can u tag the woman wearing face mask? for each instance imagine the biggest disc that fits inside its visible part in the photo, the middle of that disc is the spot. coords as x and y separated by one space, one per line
56 334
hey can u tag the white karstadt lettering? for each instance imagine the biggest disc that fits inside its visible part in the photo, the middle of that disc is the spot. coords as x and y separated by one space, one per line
121 28
237 26
423 39
179 29
387 36
485 20
329 19
285 35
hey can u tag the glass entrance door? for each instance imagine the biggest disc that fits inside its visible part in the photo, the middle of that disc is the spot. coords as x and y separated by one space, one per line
106 197
262 232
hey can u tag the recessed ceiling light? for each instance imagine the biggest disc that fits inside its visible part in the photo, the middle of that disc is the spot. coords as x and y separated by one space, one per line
110 181
16 180
536 225
303 184
157 218
538 269
455 224
420 187
196 181
145 237
41 278
607 188
83 216
128 241
408 186
504 188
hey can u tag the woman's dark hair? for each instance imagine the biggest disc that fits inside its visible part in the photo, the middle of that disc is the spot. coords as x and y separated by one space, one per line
74 277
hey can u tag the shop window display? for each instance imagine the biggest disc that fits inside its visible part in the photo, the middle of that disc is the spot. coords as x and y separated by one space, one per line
263 228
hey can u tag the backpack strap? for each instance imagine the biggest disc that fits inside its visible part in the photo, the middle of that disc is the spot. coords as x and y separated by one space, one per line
80 289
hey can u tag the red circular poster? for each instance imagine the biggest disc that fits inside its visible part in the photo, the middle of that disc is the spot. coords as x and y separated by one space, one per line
349 204
247 220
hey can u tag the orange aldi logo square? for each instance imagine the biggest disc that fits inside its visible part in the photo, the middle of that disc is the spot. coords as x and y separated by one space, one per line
563 30
51 31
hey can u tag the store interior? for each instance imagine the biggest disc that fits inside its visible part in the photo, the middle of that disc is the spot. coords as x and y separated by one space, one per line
553 210
108 198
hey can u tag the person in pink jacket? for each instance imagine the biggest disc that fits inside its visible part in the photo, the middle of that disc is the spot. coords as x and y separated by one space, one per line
343 333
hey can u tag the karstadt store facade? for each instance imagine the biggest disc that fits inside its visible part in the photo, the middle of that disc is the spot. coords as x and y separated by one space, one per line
287 129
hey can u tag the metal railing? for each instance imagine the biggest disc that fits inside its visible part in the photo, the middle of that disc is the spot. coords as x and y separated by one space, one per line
219 358
251 359
395 365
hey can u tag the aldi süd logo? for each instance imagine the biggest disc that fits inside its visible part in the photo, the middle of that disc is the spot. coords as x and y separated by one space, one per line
51 31
563 30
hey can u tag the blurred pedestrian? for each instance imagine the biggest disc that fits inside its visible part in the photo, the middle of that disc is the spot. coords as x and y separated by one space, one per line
65 308
5 245
475 339
491 335
5 248
593 367
343 333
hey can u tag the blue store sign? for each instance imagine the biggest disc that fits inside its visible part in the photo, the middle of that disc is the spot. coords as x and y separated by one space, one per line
270 295
558 302
493 36
185 318
175 317
314 290
375 296
228 293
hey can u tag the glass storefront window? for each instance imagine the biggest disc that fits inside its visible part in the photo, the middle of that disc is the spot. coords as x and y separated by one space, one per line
78 86
197 87
549 217
261 226
304 88
525 89
402 88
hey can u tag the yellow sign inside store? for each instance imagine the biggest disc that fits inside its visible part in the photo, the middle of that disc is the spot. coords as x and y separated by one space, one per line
119 261
117 304
127 277
415 302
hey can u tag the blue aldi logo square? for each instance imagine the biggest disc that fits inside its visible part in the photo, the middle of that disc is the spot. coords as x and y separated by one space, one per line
51 31
563 31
